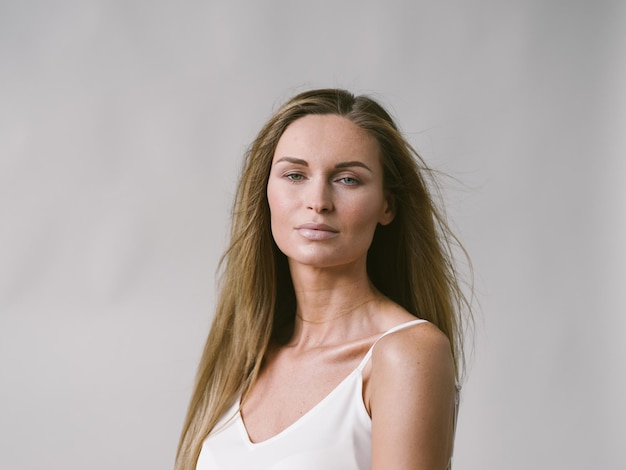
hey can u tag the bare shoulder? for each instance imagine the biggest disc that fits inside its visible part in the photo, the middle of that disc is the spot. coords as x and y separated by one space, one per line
418 345
411 399
417 358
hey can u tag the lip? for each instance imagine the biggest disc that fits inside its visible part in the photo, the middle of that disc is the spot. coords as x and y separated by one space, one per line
315 231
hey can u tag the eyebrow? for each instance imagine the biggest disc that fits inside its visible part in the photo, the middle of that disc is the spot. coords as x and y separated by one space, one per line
299 161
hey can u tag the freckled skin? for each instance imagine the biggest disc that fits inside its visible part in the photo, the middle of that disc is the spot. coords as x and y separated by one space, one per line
326 170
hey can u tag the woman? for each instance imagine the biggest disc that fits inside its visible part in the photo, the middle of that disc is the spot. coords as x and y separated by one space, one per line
336 247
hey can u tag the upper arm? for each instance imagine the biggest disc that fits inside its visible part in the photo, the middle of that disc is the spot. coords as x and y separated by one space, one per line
412 400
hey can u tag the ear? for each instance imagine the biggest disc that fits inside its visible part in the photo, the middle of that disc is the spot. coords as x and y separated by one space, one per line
390 209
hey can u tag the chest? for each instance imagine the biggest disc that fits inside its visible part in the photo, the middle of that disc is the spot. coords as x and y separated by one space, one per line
291 385
334 435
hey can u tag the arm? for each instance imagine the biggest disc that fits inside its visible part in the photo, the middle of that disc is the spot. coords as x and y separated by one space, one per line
412 400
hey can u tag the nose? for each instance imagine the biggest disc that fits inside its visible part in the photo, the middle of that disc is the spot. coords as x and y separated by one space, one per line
319 197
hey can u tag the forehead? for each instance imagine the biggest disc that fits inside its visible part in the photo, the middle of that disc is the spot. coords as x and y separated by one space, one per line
327 136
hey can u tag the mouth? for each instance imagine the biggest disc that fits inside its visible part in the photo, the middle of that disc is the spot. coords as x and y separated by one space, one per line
313 231
314 226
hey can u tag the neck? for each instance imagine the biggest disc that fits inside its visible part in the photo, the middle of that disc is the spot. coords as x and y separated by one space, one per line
348 311
328 302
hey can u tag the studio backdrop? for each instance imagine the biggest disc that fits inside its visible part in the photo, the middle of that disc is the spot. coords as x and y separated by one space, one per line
122 130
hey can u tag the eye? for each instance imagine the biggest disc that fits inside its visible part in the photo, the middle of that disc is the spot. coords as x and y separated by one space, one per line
349 181
294 176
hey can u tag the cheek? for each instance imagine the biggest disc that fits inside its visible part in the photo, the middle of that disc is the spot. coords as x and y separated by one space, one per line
365 213
279 208
273 200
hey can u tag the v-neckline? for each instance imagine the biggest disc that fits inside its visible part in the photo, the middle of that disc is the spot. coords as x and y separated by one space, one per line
300 419
305 416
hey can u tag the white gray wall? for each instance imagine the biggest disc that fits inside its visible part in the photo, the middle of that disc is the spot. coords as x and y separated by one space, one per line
122 125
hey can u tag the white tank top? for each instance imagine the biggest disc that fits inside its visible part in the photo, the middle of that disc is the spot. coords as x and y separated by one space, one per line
336 434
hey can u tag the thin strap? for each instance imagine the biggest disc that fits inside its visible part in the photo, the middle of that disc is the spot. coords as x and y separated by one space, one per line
399 327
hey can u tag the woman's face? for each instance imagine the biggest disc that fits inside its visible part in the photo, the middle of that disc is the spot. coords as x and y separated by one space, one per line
325 192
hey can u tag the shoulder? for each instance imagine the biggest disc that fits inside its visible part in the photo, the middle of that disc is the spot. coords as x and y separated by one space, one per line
415 344
411 399
417 358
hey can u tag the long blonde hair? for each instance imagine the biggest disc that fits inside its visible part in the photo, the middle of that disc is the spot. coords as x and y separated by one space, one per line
410 261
